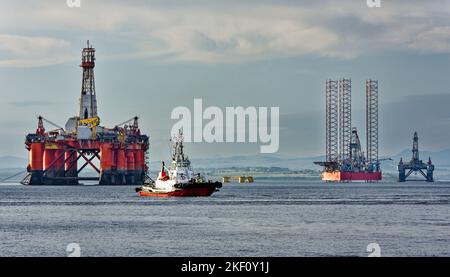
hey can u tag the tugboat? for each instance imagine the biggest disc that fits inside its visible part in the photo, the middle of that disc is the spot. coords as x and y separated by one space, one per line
179 179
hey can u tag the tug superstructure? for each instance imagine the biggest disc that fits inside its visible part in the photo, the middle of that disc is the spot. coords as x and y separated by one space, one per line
178 179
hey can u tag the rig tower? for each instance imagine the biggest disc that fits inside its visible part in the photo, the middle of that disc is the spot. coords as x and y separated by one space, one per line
88 102
332 124
372 125
345 118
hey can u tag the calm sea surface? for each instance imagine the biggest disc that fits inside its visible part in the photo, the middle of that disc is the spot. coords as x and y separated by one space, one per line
261 219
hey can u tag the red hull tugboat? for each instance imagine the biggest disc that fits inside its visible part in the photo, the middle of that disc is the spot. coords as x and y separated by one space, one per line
178 179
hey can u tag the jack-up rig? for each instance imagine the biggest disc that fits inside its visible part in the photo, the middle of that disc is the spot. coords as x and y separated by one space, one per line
345 160
415 165
54 155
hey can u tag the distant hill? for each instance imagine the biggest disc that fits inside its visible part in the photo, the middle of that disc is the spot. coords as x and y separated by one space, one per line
440 158
260 160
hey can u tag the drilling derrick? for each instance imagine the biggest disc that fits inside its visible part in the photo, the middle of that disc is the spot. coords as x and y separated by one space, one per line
345 160
357 159
88 102
55 155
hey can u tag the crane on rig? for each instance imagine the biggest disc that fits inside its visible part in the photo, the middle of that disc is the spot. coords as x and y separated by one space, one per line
134 118
41 118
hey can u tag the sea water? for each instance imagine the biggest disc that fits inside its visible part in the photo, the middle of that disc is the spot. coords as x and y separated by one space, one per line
267 218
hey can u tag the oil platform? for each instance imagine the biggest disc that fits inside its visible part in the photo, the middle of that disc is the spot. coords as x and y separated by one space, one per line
58 157
415 165
345 159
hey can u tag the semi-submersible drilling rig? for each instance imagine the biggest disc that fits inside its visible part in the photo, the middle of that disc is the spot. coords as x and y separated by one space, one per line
58 157
345 160
415 164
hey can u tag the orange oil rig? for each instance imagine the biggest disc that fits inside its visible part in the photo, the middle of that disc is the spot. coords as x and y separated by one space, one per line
57 157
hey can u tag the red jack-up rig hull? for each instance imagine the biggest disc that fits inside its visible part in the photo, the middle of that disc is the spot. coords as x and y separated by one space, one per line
340 176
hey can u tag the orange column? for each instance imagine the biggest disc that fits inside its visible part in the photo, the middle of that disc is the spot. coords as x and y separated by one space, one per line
106 163
59 162
121 165
114 179
49 168
36 156
106 156
113 157
130 165
139 165
140 158
36 162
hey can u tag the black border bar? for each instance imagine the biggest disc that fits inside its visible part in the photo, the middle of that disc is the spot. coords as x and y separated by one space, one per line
265 266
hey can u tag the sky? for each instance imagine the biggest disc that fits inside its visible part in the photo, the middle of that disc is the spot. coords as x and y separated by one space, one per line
153 56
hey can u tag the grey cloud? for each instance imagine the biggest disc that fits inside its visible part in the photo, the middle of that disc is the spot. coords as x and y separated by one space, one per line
236 31
31 51
427 114
31 103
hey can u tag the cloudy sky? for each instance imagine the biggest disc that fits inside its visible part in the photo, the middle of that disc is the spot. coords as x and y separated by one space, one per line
155 55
